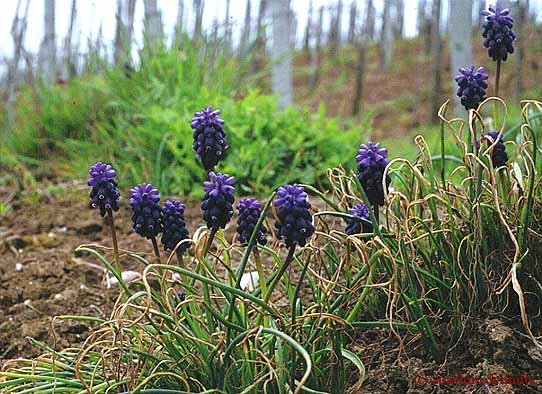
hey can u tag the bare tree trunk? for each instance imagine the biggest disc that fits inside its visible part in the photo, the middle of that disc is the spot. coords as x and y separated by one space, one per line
260 39
18 30
292 18
124 30
227 27
119 54
69 70
480 19
386 42
436 54
316 59
48 48
352 24
360 72
245 35
281 54
179 25
308 28
521 15
335 36
420 22
400 16
130 24
153 25
371 18
460 40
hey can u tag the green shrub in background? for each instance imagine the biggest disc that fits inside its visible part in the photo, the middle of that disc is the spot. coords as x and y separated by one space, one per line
140 122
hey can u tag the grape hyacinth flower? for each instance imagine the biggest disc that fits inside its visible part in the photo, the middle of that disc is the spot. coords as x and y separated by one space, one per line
104 192
357 226
174 227
372 161
472 86
497 31
249 214
294 223
498 156
217 205
210 141
146 211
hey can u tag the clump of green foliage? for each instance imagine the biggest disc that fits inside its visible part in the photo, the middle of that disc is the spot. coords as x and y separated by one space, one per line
140 122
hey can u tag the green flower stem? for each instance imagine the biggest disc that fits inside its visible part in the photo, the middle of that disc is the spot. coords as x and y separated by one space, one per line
282 270
156 250
116 256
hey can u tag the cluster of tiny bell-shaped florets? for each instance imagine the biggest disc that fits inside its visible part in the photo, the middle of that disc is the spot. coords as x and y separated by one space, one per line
217 205
472 86
294 219
104 192
249 212
146 210
497 31
360 223
372 161
499 156
210 141
175 229
148 218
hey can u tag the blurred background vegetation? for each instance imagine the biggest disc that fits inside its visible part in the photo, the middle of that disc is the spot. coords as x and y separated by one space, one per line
347 85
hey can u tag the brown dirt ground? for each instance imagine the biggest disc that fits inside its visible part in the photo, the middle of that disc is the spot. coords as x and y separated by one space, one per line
54 280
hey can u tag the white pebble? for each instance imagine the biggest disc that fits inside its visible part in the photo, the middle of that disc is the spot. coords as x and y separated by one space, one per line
18 267
249 281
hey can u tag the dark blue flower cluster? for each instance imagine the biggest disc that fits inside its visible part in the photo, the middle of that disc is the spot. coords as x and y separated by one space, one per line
210 141
498 34
174 227
294 223
498 156
357 226
217 205
249 213
104 192
472 86
146 211
372 161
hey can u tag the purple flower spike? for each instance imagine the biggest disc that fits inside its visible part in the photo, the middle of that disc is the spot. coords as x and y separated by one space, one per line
174 227
498 156
472 86
372 161
372 154
498 34
104 192
146 211
217 205
356 226
294 223
249 214
210 141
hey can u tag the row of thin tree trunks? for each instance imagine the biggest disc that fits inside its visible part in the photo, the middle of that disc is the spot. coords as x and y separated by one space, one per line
360 32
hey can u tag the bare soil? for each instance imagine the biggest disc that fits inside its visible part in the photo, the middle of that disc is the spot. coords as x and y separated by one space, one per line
41 276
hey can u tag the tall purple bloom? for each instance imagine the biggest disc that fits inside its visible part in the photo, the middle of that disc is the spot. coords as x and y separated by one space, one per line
498 156
217 205
472 86
356 226
294 223
249 214
210 141
498 34
174 226
372 161
146 211
104 192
